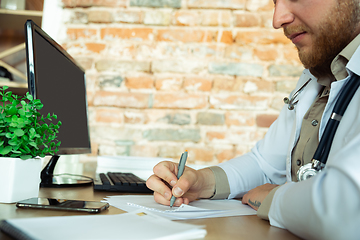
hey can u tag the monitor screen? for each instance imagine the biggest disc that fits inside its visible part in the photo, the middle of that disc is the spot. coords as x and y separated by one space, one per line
58 81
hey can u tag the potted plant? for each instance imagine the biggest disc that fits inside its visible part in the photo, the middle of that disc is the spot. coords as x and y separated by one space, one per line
26 136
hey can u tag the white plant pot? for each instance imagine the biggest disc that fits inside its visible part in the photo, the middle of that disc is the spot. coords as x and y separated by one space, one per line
19 179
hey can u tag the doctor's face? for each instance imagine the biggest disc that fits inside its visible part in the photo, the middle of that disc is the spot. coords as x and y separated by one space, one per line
319 29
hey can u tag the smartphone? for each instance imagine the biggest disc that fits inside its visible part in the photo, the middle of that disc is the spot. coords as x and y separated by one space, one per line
63 204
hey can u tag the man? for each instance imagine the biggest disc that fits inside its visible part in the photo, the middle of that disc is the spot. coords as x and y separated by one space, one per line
325 206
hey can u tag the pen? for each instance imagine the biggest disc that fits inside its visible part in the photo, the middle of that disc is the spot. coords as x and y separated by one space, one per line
181 168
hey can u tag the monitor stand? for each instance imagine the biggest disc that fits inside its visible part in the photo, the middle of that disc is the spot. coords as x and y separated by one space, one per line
48 179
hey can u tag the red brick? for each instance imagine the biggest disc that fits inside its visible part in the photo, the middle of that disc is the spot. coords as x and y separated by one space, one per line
109 115
168 83
185 35
90 96
108 64
179 101
235 51
197 84
215 135
96 16
129 16
121 49
244 119
229 4
265 120
135 117
211 50
90 3
156 17
81 33
223 155
240 102
78 16
121 99
84 48
256 85
110 3
127 33
166 116
95 47
139 82
186 18
225 37
227 84
178 66
247 19
256 5
203 154
261 37
216 18
266 53
233 137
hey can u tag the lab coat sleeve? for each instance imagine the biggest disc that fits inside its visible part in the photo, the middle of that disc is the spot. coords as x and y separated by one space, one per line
326 206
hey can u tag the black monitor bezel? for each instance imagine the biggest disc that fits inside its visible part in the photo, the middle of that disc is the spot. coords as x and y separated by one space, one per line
30 29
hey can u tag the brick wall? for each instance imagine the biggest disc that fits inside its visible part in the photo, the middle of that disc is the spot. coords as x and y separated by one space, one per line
163 76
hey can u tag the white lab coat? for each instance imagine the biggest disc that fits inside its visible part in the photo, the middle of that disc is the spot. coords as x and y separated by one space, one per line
326 206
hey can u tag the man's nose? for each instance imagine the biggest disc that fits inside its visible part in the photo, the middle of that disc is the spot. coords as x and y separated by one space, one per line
282 14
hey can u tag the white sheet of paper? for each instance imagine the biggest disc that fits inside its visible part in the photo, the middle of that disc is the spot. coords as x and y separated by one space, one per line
203 208
120 226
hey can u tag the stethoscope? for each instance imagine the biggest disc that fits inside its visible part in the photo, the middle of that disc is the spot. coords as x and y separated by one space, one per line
322 152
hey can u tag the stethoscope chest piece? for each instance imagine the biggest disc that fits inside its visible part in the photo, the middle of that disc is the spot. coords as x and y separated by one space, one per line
306 172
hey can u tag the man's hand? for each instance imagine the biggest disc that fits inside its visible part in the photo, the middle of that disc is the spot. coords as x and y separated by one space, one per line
256 196
191 185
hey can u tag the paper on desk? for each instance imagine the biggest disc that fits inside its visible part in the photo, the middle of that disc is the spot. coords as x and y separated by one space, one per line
203 208
139 224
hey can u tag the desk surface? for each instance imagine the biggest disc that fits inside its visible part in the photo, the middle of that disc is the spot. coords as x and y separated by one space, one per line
242 227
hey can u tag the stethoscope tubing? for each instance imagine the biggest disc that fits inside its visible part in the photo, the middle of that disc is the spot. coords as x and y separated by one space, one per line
323 149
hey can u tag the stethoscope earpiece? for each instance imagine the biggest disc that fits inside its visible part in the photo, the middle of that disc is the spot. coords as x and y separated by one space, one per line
292 101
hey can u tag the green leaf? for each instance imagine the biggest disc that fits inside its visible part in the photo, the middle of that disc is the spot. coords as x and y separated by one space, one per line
12 111
19 132
33 144
29 96
9 135
5 150
27 149
25 138
24 157
21 112
14 118
13 142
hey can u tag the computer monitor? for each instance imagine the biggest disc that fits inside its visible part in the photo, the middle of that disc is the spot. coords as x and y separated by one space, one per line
58 81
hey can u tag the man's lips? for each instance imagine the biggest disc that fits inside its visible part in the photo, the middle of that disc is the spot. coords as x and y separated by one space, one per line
296 37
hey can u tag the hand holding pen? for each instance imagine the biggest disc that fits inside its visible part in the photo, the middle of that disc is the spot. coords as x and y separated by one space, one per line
181 168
